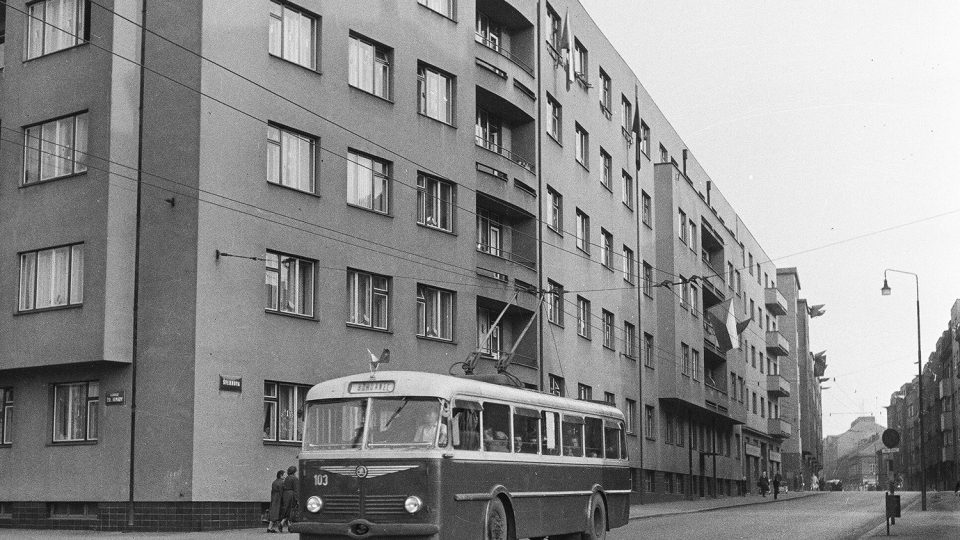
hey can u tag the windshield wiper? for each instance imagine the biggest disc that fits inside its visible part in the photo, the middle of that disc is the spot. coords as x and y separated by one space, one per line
395 413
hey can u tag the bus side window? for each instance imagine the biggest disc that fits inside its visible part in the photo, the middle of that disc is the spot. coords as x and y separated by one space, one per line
466 425
613 436
526 429
572 435
496 427
551 433
594 437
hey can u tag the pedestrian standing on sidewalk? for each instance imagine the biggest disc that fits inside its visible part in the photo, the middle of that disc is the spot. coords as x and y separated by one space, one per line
776 484
276 492
289 498
763 483
956 489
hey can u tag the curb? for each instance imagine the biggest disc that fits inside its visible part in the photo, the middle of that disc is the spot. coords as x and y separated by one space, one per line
712 509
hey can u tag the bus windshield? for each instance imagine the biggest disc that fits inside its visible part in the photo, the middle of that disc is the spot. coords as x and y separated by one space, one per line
403 422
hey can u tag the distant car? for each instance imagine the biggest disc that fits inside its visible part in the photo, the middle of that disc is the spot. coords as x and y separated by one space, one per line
834 485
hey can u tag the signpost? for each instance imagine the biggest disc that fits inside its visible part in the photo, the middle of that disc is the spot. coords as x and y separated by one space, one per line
891 439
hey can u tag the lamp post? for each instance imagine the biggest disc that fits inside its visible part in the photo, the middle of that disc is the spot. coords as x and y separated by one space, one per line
923 469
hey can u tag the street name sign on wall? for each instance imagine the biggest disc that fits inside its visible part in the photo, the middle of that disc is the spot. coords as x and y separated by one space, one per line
231 384
115 398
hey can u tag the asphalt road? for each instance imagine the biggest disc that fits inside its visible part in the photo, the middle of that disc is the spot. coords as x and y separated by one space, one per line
836 515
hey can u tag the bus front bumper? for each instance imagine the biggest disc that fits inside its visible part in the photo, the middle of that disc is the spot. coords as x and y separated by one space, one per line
361 528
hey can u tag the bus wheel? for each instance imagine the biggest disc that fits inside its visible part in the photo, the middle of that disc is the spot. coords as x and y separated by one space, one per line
598 519
496 525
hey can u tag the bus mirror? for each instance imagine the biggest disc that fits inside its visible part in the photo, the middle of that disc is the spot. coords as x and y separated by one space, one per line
448 455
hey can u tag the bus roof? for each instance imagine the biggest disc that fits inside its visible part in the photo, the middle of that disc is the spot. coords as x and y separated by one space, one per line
418 383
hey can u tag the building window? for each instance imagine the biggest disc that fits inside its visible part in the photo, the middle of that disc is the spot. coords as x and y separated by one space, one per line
55 149
556 28
610 398
556 210
684 293
488 33
648 350
447 8
435 93
605 93
293 35
583 317
683 226
644 138
742 385
629 340
650 429
664 155
489 233
489 131
370 66
606 178
697 365
626 115
750 268
668 428
648 280
685 359
629 271
51 277
6 415
283 411
694 300
580 61
630 416
492 346
692 237
369 297
609 337
434 313
606 248
290 159
584 392
555 127
754 400
582 145
645 209
55 25
75 412
289 284
435 203
627 189
763 406
368 182
555 303
583 231
557 385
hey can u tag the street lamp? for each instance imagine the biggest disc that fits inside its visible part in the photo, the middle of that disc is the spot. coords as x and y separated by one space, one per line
885 290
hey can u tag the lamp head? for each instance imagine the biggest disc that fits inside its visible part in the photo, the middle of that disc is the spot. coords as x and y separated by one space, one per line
886 288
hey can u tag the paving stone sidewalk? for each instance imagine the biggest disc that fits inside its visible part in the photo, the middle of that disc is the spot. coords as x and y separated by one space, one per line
644 511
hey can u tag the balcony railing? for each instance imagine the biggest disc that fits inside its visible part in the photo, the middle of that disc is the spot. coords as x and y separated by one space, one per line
775 301
777 345
499 49
779 428
498 149
778 386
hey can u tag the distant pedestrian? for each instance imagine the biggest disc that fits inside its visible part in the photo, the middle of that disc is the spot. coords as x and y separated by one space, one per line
276 493
763 483
776 484
814 483
956 489
289 498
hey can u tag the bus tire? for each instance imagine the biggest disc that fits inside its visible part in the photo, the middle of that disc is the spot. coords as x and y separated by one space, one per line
597 519
496 525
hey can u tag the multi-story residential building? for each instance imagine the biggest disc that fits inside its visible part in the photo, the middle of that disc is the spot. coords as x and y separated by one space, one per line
837 447
192 241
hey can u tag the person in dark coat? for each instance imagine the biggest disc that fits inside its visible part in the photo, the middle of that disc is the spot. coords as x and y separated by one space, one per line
764 484
289 497
276 493
776 484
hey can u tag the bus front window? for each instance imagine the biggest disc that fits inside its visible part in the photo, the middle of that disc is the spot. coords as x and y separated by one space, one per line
334 424
408 421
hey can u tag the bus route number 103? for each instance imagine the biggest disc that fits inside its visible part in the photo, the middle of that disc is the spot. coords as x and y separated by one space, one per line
320 480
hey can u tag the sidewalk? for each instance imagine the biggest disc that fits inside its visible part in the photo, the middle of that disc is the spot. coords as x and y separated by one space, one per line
941 520
645 511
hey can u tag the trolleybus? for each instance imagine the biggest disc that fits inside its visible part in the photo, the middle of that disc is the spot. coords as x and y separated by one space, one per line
422 455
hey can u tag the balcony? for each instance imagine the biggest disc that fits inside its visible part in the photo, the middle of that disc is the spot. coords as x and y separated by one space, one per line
778 386
777 427
505 52
716 399
777 345
775 301
946 421
506 238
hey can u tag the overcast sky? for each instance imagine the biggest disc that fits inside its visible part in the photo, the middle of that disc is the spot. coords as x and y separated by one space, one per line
833 128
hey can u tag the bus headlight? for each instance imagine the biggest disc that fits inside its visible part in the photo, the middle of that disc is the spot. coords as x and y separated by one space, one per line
413 504
314 504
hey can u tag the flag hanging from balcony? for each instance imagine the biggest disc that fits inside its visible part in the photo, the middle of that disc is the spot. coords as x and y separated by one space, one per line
566 47
724 324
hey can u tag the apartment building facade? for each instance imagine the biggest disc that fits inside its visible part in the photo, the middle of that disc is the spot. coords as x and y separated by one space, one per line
194 240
